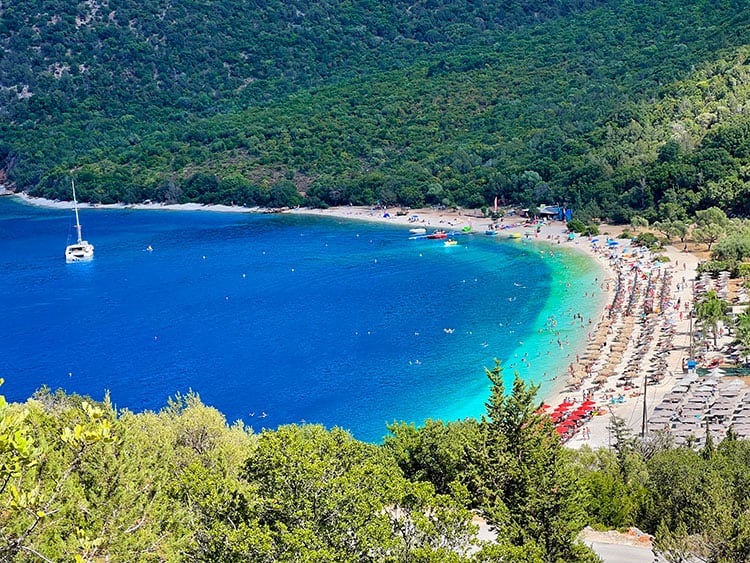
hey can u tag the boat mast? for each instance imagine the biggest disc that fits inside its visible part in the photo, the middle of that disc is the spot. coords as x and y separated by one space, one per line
75 207
644 422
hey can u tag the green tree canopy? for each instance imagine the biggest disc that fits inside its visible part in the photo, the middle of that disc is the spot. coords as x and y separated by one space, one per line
711 310
520 477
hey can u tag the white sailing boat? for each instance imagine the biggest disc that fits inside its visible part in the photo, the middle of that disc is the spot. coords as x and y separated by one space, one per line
81 250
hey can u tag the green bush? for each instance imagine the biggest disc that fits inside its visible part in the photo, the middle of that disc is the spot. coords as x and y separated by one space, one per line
591 230
648 240
713 267
576 226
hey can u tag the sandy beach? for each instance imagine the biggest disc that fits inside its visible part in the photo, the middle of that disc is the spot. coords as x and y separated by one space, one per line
638 344
638 347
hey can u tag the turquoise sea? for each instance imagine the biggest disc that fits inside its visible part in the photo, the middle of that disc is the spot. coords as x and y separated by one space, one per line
297 318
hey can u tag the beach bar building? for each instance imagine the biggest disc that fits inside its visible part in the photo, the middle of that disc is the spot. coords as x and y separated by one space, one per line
554 212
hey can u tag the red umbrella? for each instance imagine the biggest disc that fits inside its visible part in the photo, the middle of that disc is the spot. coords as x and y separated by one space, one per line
588 403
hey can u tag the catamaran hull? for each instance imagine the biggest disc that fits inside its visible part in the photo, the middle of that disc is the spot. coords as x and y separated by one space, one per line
79 253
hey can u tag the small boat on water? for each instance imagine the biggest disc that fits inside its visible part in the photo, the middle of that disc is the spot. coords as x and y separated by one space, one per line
451 242
514 235
81 250
437 235
418 231
490 232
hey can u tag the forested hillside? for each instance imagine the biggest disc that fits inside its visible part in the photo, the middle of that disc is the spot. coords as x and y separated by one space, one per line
210 56
612 107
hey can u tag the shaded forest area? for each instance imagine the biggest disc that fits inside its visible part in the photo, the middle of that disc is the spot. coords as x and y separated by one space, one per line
613 108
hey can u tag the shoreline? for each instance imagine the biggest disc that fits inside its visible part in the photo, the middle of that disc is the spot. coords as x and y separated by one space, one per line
552 234
430 219
59 204
639 341
614 345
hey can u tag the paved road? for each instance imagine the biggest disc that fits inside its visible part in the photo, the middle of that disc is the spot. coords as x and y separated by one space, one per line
609 552
615 553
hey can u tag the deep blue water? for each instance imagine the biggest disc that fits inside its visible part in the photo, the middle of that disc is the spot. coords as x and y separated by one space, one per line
301 318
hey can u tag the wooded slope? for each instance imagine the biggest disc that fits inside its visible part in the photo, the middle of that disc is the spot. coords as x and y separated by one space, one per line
611 107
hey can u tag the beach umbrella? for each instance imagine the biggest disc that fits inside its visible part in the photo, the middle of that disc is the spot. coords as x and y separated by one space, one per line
612 243
588 403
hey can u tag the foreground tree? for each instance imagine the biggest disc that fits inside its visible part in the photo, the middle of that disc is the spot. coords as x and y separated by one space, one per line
43 463
309 494
435 452
96 485
523 481
701 503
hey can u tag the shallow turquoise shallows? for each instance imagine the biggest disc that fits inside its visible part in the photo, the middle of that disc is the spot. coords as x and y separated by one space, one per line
278 319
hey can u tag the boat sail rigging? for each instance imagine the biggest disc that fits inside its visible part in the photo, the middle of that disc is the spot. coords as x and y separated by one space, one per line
81 250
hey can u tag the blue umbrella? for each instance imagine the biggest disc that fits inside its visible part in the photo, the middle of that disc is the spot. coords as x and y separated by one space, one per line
613 243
